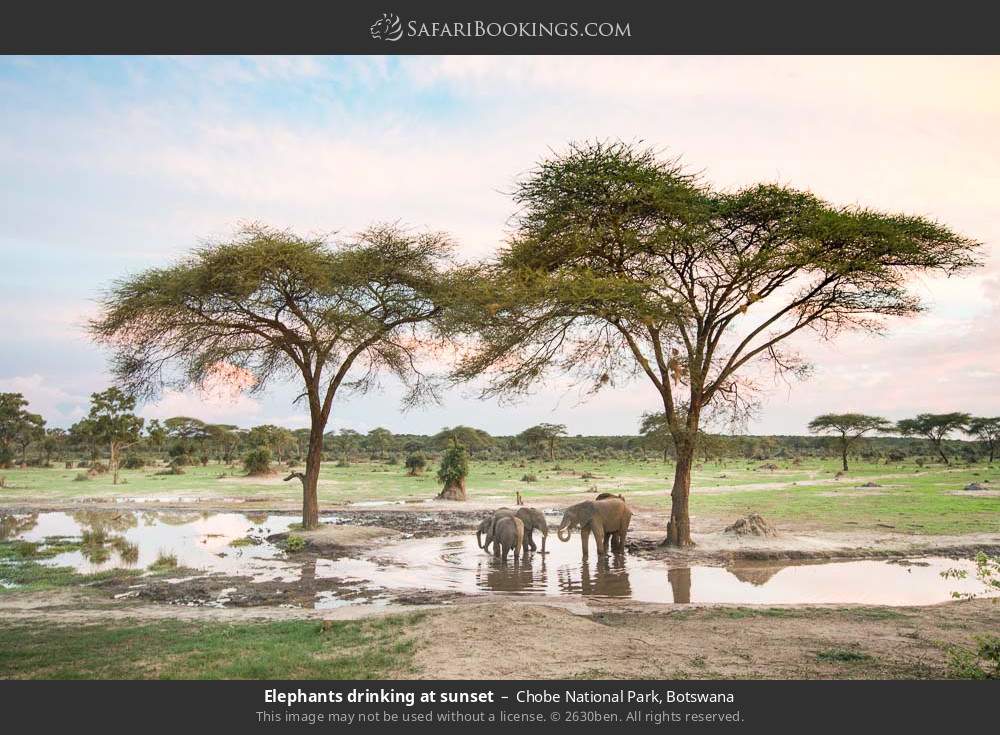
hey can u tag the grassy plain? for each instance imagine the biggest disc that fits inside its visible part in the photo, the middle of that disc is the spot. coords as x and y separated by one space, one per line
807 494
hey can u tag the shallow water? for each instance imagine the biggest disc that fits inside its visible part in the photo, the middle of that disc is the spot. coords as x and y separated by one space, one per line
454 564
458 565
198 540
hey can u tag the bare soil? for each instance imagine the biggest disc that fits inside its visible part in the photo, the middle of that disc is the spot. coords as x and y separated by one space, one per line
500 640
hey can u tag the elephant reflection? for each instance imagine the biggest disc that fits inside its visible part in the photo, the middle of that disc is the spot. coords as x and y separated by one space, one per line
522 576
608 577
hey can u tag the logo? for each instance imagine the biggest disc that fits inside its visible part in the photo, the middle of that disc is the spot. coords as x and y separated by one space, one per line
387 28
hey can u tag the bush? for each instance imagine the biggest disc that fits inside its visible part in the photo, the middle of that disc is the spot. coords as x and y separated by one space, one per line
164 562
294 543
415 464
982 662
529 478
174 468
454 467
133 462
393 459
81 477
257 461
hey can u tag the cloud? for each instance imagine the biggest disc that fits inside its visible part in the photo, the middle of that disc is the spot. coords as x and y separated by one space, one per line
58 406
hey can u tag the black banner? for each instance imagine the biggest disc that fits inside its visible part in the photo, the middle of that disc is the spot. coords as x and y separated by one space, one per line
702 706
461 27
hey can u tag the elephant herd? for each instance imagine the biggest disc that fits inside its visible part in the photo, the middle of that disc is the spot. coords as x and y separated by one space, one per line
607 516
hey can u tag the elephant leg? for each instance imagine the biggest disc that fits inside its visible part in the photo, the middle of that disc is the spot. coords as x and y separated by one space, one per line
585 540
529 540
598 530
621 540
496 548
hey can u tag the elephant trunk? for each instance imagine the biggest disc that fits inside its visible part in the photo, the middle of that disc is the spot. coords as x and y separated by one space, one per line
565 529
545 535
479 539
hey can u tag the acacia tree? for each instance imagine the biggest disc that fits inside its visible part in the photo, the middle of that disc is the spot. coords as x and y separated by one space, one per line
30 429
546 435
987 430
622 263
848 428
471 438
271 305
12 419
935 427
379 438
114 424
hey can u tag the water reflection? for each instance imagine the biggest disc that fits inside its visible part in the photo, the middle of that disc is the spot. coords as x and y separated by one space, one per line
680 583
204 541
12 525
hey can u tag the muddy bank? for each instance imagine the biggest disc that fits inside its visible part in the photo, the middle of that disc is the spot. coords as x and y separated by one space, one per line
473 642
817 548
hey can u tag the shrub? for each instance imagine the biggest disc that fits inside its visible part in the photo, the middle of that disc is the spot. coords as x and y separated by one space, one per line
982 662
294 543
257 461
454 467
164 562
529 478
133 462
393 459
81 477
415 464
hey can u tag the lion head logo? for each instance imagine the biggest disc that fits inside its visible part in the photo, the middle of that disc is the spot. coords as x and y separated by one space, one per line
387 28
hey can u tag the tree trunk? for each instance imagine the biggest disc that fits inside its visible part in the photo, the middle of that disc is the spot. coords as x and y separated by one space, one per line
113 459
310 503
843 452
679 526
940 449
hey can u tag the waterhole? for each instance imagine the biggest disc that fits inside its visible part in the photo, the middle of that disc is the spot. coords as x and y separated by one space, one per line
234 544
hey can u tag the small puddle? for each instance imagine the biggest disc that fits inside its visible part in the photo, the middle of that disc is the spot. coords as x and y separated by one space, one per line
202 541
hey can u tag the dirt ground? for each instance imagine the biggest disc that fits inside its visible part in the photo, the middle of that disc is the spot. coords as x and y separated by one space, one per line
497 638
501 640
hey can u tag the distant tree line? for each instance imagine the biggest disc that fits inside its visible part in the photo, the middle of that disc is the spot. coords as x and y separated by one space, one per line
112 436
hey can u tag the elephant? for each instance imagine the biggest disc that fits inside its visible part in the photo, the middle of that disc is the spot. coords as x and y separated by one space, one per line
607 517
508 533
530 517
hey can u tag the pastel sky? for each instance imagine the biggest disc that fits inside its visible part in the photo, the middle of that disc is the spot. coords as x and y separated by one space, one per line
112 165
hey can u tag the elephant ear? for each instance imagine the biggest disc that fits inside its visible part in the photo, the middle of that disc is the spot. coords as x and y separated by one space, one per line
586 511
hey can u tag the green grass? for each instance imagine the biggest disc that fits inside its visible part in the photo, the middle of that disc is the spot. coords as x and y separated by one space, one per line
925 500
21 568
369 649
